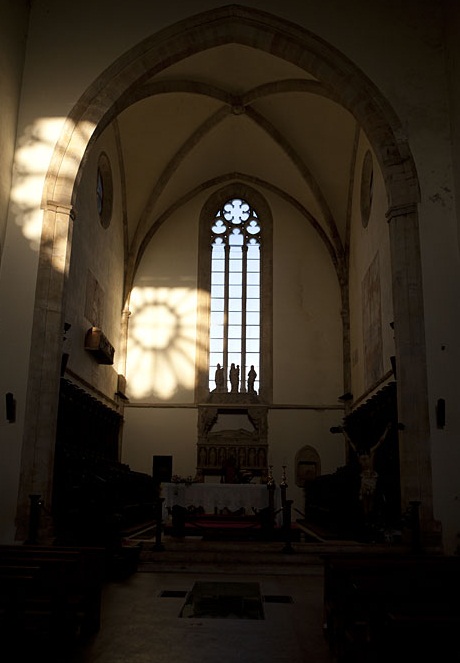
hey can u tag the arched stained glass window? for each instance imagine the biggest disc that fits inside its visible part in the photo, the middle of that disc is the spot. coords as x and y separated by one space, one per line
235 302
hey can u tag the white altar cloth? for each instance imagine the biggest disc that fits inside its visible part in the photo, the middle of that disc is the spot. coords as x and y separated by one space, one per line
217 496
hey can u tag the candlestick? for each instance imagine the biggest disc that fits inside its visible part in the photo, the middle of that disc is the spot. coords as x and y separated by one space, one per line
270 480
283 477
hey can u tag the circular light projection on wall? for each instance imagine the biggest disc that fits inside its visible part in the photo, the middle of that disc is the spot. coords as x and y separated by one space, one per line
367 186
104 190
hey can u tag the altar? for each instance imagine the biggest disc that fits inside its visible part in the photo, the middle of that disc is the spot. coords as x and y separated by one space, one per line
213 498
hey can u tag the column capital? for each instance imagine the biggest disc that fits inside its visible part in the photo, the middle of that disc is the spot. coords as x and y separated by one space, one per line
60 208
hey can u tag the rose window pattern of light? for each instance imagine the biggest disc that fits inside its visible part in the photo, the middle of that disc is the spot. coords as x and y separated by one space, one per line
235 295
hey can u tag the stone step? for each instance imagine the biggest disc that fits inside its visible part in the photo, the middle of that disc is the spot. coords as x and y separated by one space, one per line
192 553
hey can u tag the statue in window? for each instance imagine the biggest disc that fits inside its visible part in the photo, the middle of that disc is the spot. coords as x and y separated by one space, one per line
220 378
251 379
234 377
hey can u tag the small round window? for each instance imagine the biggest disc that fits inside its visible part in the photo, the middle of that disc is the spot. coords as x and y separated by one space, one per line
104 190
367 186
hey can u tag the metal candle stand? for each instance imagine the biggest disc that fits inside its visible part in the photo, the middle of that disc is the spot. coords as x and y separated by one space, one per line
286 506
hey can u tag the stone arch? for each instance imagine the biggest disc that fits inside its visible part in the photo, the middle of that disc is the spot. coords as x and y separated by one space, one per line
345 83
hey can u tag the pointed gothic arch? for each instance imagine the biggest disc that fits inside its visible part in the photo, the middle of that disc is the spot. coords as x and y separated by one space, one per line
347 85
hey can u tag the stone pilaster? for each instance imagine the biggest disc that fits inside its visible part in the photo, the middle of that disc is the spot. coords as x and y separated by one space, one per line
412 390
37 460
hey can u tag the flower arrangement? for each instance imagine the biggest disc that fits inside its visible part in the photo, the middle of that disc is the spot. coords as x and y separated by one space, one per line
176 478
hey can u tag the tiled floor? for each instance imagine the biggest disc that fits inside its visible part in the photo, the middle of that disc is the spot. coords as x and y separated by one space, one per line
140 624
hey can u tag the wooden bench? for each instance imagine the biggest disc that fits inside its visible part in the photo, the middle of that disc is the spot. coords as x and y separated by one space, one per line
50 592
376 604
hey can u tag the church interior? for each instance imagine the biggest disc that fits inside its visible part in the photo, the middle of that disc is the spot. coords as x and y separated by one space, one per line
229 268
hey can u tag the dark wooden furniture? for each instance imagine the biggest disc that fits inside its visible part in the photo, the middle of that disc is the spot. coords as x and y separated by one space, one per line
378 607
50 594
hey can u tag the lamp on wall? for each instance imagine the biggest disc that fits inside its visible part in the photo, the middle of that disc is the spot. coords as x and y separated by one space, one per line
97 344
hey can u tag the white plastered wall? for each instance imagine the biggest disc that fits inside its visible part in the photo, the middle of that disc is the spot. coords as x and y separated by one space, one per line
98 251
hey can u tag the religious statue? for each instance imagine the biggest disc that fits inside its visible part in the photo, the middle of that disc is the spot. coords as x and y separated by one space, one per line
220 378
212 460
230 471
234 377
251 379
367 471
202 456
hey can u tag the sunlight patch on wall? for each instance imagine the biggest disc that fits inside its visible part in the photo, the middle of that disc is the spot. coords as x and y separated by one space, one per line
32 161
161 342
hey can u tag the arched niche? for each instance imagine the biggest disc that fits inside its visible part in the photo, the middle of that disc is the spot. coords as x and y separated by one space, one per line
307 465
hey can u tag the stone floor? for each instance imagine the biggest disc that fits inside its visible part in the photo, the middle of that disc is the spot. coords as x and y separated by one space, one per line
141 623
141 615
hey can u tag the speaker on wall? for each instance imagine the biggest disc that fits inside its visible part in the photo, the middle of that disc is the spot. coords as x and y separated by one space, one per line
10 404
162 469
441 413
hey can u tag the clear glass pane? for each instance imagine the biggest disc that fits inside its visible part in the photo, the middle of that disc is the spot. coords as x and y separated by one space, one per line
234 318
217 318
219 227
253 305
217 291
253 278
253 265
216 331
236 210
235 291
252 359
218 263
234 331
240 210
253 252
217 304
214 359
218 252
234 358
235 278
235 305
252 318
253 332
236 238
217 278
253 291
253 228
234 345
252 345
216 345
235 266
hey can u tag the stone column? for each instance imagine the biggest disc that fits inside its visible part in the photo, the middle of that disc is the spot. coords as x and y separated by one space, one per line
411 369
37 460
125 315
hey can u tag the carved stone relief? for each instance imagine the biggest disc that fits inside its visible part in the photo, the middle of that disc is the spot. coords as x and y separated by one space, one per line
248 448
